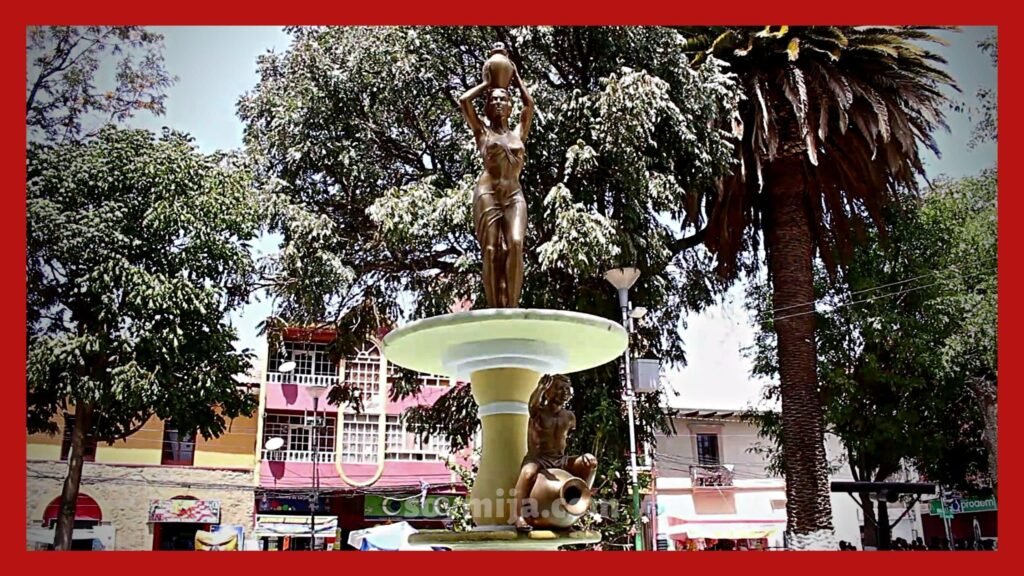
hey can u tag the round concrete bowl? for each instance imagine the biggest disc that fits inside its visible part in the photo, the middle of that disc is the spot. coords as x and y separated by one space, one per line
545 341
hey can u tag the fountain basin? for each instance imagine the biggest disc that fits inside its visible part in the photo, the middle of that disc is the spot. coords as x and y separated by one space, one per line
544 341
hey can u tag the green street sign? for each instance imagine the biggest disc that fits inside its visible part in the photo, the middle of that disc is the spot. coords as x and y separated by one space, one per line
406 507
962 506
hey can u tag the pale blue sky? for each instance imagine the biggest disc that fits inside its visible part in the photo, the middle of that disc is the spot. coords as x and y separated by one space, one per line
216 65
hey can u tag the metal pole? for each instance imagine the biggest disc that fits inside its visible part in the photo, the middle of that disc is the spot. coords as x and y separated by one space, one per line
884 539
624 302
945 518
653 508
316 485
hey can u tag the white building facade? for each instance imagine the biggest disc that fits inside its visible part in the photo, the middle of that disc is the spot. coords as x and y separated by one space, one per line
713 489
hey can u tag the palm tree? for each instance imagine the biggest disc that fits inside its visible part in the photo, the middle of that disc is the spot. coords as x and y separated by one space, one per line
828 132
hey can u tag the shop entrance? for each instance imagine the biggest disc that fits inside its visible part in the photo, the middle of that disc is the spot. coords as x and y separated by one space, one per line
87 517
176 536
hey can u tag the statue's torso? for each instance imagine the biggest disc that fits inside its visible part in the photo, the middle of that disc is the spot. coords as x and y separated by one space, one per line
548 433
503 156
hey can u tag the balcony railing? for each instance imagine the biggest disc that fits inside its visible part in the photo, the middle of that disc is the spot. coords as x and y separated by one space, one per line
302 379
325 456
416 455
711 476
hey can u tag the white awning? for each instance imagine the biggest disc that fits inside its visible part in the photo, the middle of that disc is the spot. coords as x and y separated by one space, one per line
103 536
269 525
726 530
46 535
383 537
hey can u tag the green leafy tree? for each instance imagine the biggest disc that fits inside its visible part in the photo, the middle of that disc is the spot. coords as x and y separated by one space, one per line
67 95
137 252
906 343
832 123
964 211
358 138
986 127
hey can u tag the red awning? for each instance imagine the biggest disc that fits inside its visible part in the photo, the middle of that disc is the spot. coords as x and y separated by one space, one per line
85 509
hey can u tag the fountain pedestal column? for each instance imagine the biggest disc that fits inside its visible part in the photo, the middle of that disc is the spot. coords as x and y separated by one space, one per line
501 395
503 353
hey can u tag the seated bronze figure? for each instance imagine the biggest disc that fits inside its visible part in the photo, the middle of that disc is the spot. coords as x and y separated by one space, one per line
555 486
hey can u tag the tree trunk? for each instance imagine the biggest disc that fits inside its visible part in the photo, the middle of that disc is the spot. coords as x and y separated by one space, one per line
870 537
884 528
69 496
791 260
988 398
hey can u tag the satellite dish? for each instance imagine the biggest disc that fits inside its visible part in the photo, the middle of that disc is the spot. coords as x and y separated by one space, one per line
275 443
286 367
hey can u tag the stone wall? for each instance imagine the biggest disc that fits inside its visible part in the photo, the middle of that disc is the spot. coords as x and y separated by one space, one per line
124 493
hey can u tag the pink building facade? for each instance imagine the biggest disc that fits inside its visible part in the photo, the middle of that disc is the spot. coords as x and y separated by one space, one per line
364 462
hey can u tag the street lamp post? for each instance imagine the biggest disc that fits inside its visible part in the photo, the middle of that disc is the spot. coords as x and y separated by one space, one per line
623 279
315 391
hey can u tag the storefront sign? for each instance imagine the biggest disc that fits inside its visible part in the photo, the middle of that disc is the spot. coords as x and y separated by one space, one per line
180 510
271 525
408 507
270 505
963 506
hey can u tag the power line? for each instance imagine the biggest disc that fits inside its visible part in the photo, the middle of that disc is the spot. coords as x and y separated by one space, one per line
136 481
774 311
861 301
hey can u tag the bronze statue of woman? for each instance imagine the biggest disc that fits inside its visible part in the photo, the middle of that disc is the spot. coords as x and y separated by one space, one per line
499 206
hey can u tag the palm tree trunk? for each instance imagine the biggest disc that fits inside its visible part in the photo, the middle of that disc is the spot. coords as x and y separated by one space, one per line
791 261
69 496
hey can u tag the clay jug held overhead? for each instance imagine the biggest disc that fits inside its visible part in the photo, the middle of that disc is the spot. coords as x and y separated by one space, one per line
498 69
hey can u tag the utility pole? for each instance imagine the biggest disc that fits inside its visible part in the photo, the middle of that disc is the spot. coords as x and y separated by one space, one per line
316 484
316 391
945 518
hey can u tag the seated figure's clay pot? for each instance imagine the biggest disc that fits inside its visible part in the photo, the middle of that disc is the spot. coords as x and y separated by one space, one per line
557 500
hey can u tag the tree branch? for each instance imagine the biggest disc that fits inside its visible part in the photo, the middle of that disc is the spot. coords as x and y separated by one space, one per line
905 512
112 439
688 242
59 67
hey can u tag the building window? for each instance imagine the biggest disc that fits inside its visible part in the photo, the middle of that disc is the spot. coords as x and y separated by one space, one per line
89 452
313 365
362 372
404 445
707 450
435 380
311 358
300 445
179 448
359 438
